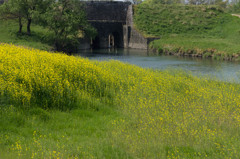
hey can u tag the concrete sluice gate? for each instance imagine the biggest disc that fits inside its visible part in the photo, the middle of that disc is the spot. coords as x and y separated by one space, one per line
113 21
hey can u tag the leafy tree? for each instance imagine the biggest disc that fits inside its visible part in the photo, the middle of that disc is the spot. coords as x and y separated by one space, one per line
29 7
234 7
12 9
67 19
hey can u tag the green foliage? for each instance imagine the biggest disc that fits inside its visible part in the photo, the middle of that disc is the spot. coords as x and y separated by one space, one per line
67 19
9 8
12 10
23 9
234 8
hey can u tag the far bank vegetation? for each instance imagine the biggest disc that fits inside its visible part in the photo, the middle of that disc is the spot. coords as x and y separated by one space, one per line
203 30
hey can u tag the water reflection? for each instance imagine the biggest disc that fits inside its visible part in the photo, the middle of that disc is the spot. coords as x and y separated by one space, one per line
223 70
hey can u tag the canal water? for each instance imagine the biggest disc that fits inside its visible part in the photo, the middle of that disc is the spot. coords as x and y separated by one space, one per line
221 70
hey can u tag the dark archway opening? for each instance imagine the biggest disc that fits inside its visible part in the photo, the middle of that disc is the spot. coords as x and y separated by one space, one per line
118 42
95 43
110 35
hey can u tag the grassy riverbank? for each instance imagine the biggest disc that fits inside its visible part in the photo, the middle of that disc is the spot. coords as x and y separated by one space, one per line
58 106
205 31
39 39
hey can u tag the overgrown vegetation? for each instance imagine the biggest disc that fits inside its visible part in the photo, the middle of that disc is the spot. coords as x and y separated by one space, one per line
66 19
195 30
22 9
57 106
234 7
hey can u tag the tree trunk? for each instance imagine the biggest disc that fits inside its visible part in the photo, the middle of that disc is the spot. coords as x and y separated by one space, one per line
57 45
20 25
28 26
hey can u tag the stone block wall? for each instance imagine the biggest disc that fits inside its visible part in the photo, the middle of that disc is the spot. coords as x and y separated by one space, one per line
114 20
107 11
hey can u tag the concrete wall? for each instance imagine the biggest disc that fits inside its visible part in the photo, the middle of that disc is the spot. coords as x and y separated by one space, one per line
132 38
136 40
114 19
108 18
107 11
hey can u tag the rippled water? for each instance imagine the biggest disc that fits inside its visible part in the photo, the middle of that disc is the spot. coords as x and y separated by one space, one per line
223 70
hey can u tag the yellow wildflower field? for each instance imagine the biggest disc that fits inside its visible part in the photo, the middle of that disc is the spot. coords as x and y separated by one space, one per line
164 114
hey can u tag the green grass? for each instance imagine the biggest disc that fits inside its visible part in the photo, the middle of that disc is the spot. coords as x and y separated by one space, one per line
42 133
201 46
39 39
58 106
158 19
205 31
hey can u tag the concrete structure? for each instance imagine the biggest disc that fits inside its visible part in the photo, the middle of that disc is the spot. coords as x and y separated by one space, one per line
108 18
132 37
114 23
